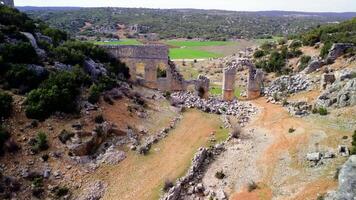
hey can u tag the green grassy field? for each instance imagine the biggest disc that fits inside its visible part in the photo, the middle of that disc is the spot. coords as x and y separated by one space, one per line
180 43
217 90
190 53
190 49
121 42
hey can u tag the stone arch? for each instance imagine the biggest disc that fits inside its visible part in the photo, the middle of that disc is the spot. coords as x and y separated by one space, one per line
254 84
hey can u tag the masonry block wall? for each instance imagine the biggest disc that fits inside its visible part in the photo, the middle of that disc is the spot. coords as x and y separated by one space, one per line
149 56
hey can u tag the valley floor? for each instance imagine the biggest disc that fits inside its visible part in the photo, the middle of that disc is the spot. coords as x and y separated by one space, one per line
142 177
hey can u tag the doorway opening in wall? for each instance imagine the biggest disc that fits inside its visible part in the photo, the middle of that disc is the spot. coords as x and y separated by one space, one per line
140 70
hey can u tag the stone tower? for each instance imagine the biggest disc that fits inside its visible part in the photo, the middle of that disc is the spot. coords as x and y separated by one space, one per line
9 3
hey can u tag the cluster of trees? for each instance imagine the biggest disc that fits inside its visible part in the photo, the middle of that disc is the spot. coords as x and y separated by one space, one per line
344 32
271 56
213 25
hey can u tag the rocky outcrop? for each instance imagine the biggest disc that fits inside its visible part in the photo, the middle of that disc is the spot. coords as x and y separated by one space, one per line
347 182
337 50
40 52
313 65
340 94
95 70
94 191
62 67
38 70
299 108
44 38
85 143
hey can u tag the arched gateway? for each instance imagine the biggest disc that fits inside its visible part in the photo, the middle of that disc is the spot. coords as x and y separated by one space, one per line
254 84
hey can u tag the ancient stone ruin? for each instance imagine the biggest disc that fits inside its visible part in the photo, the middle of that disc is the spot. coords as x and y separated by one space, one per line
152 57
9 3
254 82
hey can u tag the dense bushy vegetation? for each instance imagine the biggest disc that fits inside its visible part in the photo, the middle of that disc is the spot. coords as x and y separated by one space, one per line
214 25
5 105
271 57
304 60
57 93
344 32
48 90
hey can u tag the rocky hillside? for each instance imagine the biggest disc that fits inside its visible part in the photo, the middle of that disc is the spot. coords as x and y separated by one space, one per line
48 80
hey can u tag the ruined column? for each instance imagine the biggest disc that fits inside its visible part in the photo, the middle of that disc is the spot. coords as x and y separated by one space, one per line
254 83
229 83
151 76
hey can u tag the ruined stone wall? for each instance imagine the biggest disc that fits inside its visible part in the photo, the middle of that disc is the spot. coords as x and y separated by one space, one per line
150 56
9 3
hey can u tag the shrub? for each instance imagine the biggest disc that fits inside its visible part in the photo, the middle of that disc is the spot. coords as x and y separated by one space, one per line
99 119
291 130
40 143
267 46
295 44
236 132
10 53
65 135
168 184
58 93
259 54
304 61
60 191
219 175
325 49
68 56
282 41
5 105
322 111
56 35
252 186
20 76
94 94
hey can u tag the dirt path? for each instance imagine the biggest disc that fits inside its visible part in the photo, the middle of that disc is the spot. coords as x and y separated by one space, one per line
141 177
282 167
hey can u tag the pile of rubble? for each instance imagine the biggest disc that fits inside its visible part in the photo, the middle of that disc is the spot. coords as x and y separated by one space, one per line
148 141
299 108
214 105
319 158
288 85
190 185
